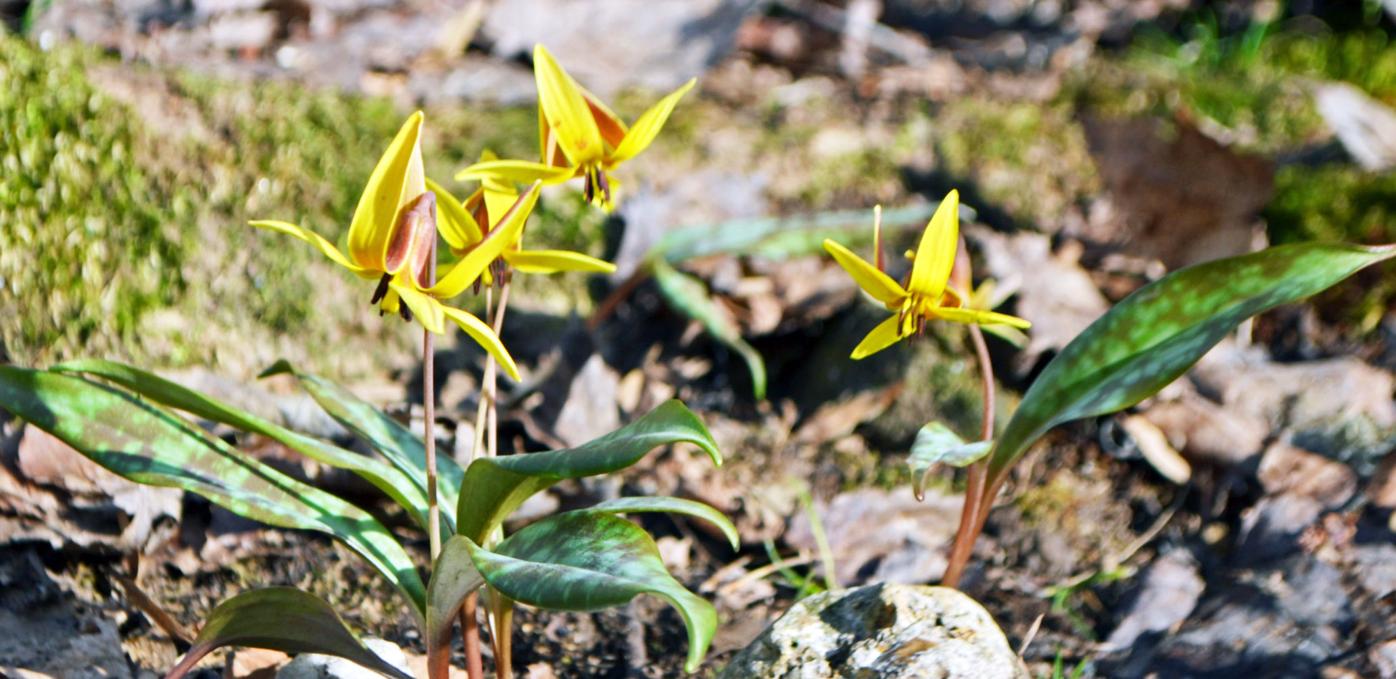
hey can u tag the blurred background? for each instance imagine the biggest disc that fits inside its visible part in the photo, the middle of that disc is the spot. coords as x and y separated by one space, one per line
1097 143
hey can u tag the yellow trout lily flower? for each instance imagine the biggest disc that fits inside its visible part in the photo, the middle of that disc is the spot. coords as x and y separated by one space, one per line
391 239
927 294
469 223
578 135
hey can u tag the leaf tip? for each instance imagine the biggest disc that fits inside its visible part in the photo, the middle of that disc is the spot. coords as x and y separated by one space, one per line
280 367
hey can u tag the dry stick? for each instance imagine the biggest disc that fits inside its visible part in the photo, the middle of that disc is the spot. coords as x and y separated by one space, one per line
975 508
625 289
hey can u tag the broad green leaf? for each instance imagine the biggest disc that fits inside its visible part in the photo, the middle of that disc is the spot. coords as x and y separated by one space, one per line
689 296
147 445
281 619
1154 335
669 505
584 561
935 445
779 236
383 476
495 486
396 442
453 578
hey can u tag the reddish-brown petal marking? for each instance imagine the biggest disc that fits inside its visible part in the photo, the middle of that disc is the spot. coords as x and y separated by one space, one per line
410 243
610 128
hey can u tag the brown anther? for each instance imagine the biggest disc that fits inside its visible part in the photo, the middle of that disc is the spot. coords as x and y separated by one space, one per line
406 313
588 191
382 290
605 184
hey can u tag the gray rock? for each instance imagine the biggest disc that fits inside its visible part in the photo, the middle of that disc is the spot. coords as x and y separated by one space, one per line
1366 128
881 632
316 666
611 44
910 544
1168 594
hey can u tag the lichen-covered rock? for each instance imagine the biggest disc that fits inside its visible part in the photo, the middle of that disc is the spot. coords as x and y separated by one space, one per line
881 632
317 666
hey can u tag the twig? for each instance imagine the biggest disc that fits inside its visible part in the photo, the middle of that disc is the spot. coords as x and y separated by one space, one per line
182 636
880 36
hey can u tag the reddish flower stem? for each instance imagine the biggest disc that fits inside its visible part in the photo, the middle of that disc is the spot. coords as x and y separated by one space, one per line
976 510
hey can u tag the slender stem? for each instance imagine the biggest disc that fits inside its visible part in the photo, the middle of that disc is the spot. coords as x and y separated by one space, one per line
975 510
492 373
613 300
503 637
482 409
470 635
429 419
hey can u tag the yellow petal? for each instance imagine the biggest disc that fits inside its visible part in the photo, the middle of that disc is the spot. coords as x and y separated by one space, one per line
456 225
647 127
884 335
935 256
503 234
498 202
485 337
980 317
874 282
609 124
553 261
566 111
318 241
517 171
425 310
396 181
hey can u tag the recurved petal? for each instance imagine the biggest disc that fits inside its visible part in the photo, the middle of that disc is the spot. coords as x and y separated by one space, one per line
516 171
456 225
980 317
553 261
485 337
398 173
503 234
647 127
884 335
318 241
935 256
1008 334
565 108
874 282
425 310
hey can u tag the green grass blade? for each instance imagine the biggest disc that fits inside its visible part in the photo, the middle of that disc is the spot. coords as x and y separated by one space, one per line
495 486
281 619
383 476
584 561
1154 335
396 442
147 445
689 296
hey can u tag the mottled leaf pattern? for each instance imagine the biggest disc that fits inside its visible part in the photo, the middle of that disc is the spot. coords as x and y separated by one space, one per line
689 296
669 505
282 619
583 561
147 445
495 486
1157 333
383 476
396 442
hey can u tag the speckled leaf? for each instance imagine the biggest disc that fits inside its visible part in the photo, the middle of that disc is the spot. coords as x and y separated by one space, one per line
584 561
935 445
396 442
281 619
1157 333
147 445
382 475
453 578
689 296
495 486
670 505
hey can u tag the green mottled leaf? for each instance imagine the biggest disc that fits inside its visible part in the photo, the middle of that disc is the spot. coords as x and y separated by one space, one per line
383 476
495 486
281 619
396 442
147 445
669 505
689 296
779 236
584 561
935 445
453 578
1157 333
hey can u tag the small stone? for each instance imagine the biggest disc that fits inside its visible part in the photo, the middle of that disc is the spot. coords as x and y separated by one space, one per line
1287 469
317 666
1272 527
1168 593
1383 658
881 632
